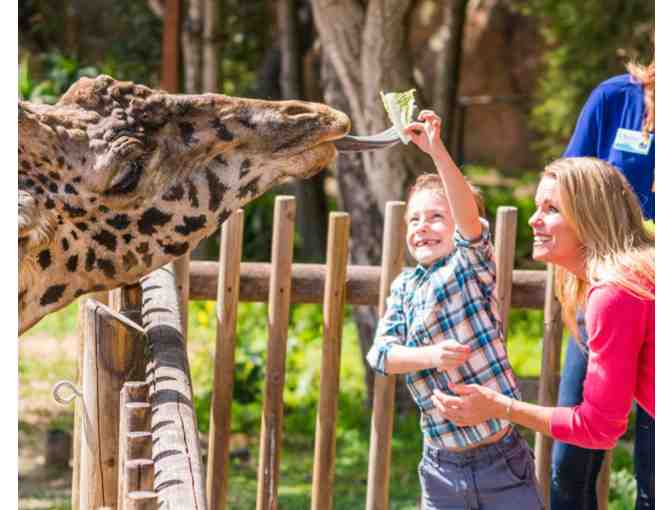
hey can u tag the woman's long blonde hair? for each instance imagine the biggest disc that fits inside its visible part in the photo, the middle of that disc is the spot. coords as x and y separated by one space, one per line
646 75
601 207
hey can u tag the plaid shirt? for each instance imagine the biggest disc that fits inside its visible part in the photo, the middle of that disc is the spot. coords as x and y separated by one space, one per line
452 299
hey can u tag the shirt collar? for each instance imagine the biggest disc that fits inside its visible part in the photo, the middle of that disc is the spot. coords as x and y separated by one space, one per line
421 271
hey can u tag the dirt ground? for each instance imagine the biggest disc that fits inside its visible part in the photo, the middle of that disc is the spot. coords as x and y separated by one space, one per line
43 361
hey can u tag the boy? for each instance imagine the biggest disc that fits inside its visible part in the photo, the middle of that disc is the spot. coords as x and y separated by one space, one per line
442 326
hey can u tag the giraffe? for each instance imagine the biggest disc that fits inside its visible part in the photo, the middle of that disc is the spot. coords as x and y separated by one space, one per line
117 179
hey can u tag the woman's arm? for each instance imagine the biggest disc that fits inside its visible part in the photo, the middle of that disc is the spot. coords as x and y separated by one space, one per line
616 325
476 404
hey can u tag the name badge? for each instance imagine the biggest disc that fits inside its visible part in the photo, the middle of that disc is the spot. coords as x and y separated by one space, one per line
628 140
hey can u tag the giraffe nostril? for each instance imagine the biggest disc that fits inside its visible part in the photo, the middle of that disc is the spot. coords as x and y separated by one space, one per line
296 110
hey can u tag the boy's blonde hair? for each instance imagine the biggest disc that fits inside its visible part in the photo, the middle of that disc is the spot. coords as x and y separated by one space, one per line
433 182
605 214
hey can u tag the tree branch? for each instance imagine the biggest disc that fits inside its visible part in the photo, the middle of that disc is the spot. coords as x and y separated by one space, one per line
157 7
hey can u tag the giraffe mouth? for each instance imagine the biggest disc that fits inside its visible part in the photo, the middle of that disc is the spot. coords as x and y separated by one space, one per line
382 140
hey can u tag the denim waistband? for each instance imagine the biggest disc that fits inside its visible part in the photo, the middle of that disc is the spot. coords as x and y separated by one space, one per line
510 442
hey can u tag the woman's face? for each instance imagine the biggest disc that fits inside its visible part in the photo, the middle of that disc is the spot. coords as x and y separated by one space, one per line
555 241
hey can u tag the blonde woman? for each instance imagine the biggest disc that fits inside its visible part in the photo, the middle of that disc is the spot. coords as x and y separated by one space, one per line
617 125
589 224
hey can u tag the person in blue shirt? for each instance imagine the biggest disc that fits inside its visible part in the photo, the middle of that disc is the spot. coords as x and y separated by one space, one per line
616 125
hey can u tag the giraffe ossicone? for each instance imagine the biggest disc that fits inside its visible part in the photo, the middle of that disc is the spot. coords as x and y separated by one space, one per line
117 179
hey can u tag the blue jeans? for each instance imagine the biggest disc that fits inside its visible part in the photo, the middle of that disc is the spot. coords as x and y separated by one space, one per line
498 476
574 470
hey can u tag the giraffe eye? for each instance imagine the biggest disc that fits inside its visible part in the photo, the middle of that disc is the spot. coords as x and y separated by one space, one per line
126 180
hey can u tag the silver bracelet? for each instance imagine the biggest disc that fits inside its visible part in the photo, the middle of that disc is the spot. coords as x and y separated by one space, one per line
509 407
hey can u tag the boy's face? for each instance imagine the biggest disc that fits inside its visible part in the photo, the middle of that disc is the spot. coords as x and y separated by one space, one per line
430 226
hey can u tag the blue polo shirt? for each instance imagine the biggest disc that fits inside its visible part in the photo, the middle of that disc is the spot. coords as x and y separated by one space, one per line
617 103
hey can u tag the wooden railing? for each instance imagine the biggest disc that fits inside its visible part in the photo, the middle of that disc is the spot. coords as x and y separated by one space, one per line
176 476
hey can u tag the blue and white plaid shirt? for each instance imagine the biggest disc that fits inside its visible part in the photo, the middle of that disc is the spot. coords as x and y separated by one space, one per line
454 298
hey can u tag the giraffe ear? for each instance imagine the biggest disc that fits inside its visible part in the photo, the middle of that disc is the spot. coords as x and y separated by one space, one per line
36 227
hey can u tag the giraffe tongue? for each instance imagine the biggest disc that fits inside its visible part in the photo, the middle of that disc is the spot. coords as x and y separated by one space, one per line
352 143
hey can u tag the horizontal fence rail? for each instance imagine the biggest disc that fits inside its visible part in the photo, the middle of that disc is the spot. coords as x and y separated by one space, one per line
362 286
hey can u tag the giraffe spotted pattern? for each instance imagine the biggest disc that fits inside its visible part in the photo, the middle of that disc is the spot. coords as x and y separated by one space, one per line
117 179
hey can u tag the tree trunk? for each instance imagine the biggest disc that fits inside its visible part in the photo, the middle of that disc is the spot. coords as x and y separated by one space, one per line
211 46
312 210
192 44
71 28
345 28
209 74
356 197
447 70
170 52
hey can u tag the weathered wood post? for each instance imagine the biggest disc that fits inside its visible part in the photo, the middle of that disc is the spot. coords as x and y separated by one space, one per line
333 308
505 251
548 380
76 429
143 500
278 320
113 344
230 252
382 419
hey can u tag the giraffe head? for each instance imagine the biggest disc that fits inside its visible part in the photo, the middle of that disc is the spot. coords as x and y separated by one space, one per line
117 179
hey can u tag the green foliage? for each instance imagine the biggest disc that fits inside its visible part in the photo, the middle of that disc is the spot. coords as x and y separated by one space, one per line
499 190
60 72
59 324
244 37
622 490
121 38
587 42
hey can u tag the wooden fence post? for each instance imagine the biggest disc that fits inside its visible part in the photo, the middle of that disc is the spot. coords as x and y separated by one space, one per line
382 419
505 252
76 429
113 343
143 500
278 320
548 380
333 308
230 252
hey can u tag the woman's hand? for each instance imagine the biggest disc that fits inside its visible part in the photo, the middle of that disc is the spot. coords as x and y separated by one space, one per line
448 354
426 132
473 404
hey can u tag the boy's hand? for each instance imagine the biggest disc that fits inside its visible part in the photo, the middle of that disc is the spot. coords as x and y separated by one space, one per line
448 354
426 132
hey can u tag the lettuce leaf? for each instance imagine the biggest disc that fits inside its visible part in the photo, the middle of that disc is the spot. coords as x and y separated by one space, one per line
399 107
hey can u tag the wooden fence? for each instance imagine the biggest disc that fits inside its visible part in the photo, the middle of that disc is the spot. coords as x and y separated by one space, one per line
136 442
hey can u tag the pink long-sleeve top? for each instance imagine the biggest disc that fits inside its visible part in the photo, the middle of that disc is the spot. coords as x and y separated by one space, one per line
621 343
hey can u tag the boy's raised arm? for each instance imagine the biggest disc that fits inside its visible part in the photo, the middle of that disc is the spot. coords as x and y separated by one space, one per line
426 134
